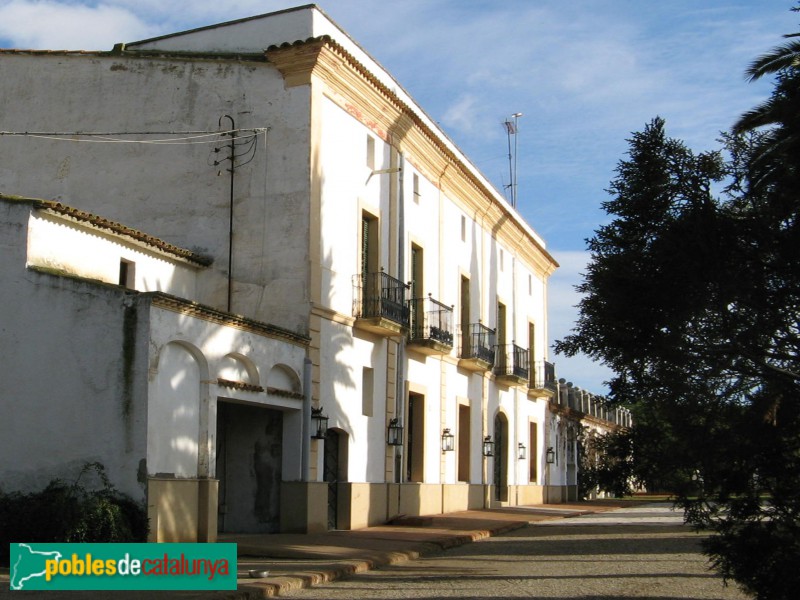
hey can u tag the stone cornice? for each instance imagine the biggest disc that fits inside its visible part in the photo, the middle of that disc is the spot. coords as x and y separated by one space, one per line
351 86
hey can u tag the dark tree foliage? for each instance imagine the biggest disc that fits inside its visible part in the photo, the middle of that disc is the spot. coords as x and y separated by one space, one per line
692 297
72 512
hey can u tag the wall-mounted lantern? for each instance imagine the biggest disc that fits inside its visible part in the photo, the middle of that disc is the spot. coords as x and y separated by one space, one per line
394 435
551 456
521 451
448 441
319 424
488 446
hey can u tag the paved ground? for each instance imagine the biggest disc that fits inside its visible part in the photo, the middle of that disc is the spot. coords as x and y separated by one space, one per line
631 551
641 552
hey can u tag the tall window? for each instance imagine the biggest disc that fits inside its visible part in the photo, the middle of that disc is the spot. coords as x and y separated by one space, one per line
417 291
463 442
464 312
501 357
369 244
531 348
417 272
533 461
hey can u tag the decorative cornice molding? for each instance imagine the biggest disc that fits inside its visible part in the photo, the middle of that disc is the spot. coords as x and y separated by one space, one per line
352 87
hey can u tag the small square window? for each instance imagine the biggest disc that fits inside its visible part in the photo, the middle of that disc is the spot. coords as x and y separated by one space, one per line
127 273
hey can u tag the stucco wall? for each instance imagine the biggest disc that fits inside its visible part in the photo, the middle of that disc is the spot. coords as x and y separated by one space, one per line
74 367
58 243
174 191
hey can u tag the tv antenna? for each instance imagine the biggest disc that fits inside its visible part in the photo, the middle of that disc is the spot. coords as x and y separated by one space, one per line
511 129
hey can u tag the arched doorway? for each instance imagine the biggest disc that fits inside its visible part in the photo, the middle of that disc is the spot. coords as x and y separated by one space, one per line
501 457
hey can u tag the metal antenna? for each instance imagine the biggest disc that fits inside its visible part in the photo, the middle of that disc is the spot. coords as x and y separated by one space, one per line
511 129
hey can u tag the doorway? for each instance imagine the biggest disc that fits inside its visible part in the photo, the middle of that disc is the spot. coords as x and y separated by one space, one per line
334 471
501 458
415 455
248 466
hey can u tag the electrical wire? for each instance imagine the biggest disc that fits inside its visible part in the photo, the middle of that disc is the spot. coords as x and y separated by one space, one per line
189 137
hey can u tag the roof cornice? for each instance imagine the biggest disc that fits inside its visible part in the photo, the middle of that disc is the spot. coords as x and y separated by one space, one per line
349 84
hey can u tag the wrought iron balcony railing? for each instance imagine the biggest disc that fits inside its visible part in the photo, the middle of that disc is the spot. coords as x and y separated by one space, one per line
511 361
543 375
431 321
379 295
477 343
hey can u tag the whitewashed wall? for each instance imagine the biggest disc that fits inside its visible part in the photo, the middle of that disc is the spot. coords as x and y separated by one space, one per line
57 242
72 370
174 191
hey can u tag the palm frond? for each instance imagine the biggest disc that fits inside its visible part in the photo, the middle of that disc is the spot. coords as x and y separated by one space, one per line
782 57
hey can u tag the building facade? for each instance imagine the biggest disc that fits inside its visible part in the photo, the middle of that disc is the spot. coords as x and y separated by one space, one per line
327 203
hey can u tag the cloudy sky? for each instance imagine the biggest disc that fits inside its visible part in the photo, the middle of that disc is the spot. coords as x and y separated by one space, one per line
583 73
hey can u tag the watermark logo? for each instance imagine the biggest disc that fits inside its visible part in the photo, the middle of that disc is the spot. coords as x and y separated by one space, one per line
123 566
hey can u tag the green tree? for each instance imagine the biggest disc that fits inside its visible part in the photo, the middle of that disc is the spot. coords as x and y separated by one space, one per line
693 299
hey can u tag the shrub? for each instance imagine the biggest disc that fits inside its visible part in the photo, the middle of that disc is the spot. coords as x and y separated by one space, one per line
69 512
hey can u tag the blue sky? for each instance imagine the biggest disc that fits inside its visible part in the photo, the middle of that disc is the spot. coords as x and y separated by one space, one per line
584 74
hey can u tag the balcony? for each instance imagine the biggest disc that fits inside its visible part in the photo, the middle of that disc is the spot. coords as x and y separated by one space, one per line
511 366
379 304
431 326
543 378
477 348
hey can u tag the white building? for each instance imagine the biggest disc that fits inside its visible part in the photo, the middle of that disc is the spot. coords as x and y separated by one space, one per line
329 204
107 358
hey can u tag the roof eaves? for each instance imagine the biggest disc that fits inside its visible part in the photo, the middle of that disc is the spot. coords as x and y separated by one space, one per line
117 228
219 25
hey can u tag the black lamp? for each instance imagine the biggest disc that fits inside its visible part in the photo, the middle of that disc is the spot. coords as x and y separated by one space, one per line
551 455
448 441
394 436
319 424
488 446
521 451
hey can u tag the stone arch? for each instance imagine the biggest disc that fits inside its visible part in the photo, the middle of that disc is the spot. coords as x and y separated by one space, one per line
175 411
283 378
238 367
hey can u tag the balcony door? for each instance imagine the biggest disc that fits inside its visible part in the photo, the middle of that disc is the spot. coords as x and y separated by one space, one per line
417 292
466 338
370 254
501 358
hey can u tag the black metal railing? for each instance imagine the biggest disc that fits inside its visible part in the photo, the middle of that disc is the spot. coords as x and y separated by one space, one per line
478 343
511 361
543 375
380 295
431 320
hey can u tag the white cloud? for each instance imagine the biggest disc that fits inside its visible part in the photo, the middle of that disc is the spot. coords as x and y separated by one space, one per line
60 26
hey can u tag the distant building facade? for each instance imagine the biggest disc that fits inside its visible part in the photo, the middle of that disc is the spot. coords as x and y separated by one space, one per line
406 370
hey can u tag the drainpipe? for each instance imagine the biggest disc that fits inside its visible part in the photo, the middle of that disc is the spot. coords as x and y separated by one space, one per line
401 388
305 430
